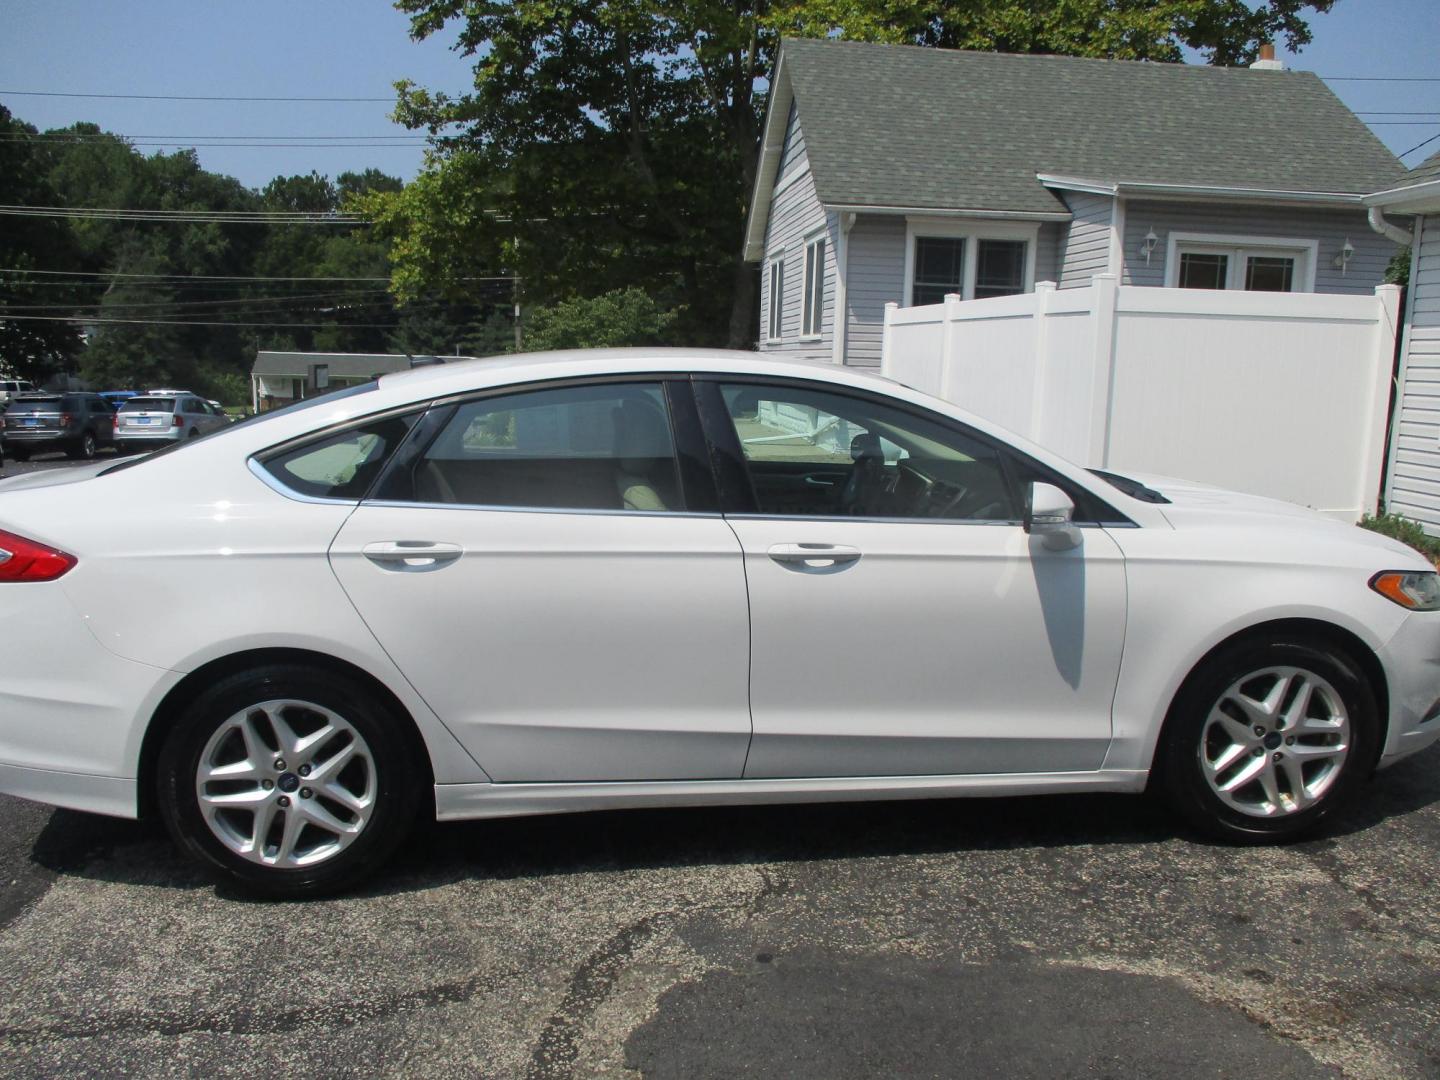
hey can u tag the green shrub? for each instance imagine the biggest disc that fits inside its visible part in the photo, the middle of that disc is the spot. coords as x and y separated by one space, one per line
1404 530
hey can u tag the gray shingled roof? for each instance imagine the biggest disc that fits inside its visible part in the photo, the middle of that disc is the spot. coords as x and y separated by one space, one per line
342 365
1427 170
896 125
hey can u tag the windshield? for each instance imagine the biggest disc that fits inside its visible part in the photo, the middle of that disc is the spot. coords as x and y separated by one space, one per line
149 404
249 421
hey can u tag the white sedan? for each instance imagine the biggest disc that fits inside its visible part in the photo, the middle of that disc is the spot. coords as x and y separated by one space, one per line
657 578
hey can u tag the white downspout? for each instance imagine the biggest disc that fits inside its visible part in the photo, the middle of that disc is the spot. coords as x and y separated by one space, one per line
1388 229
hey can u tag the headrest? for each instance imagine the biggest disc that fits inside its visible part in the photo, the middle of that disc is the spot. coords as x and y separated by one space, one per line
866 448
641 434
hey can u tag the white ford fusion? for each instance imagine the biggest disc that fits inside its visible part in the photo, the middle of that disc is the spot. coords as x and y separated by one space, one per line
654 578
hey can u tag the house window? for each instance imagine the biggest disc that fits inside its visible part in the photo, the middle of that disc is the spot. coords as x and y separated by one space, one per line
1000 268
939 269
776 309
972 260
814 297
1250 264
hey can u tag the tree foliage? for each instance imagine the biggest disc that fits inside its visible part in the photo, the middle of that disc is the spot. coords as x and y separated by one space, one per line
622 317
613 145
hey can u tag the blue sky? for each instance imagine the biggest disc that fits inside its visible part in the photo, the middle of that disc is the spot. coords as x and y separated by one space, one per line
357 48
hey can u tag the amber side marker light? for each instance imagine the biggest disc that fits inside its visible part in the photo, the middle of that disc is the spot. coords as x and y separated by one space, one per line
25 560
1418 590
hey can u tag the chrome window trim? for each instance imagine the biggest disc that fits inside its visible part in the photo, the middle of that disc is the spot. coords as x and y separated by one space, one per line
273 483
402 504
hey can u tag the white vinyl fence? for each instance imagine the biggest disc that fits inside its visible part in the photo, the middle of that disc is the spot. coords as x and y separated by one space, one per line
1280 394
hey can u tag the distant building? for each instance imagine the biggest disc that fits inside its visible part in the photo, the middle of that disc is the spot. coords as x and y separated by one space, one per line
278 378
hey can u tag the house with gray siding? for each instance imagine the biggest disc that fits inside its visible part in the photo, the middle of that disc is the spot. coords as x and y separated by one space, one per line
897 173
1412 484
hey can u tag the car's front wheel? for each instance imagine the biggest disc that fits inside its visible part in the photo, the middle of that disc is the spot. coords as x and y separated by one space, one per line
1268 738
292 781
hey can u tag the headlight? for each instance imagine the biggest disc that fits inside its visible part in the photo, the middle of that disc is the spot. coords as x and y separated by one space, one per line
1418 590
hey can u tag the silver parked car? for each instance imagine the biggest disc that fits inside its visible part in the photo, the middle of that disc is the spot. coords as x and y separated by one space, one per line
162 417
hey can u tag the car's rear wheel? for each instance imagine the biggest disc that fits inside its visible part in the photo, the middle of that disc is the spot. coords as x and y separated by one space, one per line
1267 739
84 447
292 781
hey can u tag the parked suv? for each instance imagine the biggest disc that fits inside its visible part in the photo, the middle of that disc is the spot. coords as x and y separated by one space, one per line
77 423
161 417
10 387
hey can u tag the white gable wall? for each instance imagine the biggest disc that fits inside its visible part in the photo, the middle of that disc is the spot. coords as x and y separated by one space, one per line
1413 485
1087 242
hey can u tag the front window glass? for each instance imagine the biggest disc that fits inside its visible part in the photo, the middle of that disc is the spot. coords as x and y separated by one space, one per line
812 453
574 448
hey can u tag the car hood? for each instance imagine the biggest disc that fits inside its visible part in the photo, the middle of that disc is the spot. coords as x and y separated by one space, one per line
1196 505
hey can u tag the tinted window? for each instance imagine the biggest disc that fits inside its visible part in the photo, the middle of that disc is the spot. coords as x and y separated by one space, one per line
576 448
812 453
149 404
34 404
343 465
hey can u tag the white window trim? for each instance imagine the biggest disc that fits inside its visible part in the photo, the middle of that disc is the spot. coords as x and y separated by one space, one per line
971 232
810 241
774 311
1305 252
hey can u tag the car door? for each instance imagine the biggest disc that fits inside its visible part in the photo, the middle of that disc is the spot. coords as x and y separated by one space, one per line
549 569
902 620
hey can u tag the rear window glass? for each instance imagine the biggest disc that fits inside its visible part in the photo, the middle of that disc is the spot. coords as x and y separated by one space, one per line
34 404
343 465
149 404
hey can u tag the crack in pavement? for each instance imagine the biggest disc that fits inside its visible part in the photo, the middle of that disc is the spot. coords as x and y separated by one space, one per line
331 1015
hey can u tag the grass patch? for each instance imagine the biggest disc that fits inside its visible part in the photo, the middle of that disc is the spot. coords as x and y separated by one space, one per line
1404 530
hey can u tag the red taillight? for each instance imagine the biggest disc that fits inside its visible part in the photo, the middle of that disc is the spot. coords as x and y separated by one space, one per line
115 421
179 421
64 419
25 560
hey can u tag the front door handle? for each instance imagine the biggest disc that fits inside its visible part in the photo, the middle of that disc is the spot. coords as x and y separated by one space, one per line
814 556
411 555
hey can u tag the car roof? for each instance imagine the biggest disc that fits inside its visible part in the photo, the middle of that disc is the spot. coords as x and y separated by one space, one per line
462 375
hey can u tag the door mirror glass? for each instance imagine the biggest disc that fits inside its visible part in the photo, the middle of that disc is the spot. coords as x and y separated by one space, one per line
1048 514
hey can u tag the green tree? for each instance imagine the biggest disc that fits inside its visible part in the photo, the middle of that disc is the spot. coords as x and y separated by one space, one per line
623 317
33 346
614 145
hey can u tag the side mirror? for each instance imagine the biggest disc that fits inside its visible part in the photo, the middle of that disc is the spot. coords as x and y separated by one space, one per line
1048 515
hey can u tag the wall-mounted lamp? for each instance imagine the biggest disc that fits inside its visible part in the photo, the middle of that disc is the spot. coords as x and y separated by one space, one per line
1151 240
1342 260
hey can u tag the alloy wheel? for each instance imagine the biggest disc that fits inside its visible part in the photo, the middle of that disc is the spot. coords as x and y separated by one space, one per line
286 783
1275 742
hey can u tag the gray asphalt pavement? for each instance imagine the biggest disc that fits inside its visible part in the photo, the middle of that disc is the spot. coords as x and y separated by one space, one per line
1059 937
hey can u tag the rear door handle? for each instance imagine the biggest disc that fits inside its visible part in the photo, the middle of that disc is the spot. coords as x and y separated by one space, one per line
411 555
814 556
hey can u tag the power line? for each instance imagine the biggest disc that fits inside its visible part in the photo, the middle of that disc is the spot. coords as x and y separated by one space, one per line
224 217
1381 78
13 135
186 97
211 277
250 300
1419 146
190 322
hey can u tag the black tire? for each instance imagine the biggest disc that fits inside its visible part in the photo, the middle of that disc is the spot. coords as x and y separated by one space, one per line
397 780
21 453
84 447
1179 759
